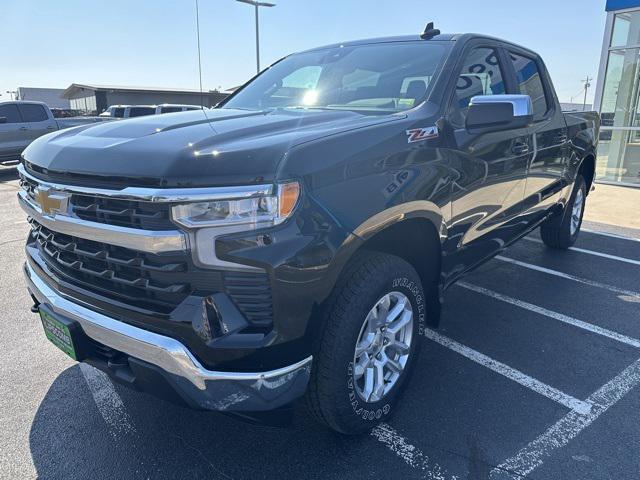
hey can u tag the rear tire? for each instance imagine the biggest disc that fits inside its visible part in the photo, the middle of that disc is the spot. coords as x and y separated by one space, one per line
376 314
561 232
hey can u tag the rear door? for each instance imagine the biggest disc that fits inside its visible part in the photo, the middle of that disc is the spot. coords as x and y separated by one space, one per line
549 133
36 119
14 135
488 195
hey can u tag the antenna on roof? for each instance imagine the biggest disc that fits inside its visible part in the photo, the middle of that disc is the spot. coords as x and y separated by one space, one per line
429 32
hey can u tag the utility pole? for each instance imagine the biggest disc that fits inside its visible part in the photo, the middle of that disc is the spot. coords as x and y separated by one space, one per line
587 84
257 4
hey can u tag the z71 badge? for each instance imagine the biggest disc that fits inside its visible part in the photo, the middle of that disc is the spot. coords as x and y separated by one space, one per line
420 134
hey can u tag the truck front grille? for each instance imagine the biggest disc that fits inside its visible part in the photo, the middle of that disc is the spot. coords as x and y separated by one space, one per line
156 283
124 213
111 211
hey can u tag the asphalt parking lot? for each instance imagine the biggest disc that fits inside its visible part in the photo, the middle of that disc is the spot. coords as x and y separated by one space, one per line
534 372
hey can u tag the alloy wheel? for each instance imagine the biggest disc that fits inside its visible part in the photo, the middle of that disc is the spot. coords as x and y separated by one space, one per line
383 347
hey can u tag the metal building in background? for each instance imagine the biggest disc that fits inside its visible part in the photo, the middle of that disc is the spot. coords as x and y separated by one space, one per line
51 96
618 95
96 98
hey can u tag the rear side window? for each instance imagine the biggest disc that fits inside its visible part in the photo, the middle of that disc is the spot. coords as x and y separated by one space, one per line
33 113
530 83
481 74
170 109
10 112
141 111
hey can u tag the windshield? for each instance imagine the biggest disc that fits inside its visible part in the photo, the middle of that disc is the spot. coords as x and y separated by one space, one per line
373 78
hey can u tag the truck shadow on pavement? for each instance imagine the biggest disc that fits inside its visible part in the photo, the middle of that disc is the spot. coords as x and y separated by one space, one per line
77 436
8 174
72 438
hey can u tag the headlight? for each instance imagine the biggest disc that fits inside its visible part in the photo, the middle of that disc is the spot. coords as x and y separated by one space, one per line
250 213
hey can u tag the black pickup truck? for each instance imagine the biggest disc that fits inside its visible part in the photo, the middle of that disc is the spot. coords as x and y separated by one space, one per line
294 242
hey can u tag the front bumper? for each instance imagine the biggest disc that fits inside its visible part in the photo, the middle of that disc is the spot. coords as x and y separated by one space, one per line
195 385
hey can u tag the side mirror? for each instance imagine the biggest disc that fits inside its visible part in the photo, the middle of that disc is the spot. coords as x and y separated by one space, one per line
491 113
3 119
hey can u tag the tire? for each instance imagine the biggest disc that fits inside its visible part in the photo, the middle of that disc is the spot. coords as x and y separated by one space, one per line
561 232
337 388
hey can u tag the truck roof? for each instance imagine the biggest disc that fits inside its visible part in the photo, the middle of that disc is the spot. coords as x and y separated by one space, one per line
4 102
443 37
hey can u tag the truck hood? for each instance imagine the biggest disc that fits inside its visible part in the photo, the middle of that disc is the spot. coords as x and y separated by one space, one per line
186 149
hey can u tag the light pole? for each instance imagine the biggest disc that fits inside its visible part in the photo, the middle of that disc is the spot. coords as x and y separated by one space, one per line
587 84
257 5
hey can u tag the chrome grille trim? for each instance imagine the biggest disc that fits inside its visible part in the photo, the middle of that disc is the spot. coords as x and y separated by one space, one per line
167 195
151 241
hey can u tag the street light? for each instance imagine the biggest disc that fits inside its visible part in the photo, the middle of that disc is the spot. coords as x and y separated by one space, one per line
257 4
12 92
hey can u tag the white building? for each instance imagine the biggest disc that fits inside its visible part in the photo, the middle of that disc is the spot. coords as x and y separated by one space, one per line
50 96
618 95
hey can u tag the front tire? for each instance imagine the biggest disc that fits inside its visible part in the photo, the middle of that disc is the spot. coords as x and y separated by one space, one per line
562 232
368 344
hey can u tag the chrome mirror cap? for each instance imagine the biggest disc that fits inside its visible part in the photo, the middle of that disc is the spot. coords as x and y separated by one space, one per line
522 106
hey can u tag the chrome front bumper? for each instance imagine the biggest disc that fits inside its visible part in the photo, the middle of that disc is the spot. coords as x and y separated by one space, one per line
199 387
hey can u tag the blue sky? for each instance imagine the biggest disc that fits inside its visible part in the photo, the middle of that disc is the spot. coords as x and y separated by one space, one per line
153 43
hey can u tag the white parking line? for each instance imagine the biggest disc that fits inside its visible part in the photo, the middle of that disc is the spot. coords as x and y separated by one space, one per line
568 427
411 455
592 252
612 235
550 313
511 373
107 400
584 281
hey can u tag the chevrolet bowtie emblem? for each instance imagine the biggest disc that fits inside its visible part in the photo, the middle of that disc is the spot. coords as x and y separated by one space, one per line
51 202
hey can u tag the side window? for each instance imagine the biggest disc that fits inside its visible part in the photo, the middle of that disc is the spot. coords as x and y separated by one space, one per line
33 113
530 83
481 74
141 111
10 111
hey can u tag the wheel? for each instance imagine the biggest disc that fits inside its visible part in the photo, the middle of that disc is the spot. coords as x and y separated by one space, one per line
368 344
562 232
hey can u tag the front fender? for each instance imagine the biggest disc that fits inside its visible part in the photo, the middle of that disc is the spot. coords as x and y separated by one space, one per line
409 210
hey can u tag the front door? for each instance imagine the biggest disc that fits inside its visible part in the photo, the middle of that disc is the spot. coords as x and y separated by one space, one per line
37 120
491 168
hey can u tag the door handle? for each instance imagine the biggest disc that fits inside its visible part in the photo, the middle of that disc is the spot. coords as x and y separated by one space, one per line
50 127
23 128
520 149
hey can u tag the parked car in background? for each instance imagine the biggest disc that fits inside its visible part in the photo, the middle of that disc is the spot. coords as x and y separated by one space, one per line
130 111
21 122
172 107
68 113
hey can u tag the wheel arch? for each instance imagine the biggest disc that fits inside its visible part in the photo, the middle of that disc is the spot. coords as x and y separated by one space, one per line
413 231
587 168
